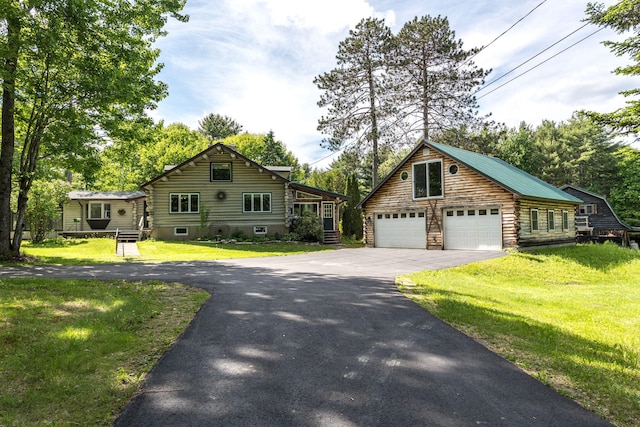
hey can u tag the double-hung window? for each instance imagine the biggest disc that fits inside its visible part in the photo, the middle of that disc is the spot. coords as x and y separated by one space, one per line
184 203
552 220
535 224
256 202
427 179
565 220
98 210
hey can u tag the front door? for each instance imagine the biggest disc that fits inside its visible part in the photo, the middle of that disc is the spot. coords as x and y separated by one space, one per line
327 216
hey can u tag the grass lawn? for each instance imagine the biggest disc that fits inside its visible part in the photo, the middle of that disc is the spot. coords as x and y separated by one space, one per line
101 251
73 352
568 316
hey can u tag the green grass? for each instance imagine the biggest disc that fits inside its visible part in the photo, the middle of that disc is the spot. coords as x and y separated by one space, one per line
102 251
570 317
73 352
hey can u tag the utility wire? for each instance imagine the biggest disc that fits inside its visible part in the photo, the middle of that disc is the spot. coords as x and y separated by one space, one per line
503 33
531 59
536 66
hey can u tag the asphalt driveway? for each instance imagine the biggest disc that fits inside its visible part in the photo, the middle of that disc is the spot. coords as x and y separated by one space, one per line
325 339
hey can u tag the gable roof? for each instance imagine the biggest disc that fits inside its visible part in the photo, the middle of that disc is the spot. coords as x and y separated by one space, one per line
105 195
502 173
274 171
623 224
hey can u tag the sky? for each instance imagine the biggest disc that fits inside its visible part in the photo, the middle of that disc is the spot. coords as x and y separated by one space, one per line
255 61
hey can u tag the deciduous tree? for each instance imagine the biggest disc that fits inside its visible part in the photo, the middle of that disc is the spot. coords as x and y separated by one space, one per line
72 72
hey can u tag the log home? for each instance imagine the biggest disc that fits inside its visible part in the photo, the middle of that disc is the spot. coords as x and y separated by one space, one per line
442 197
228 192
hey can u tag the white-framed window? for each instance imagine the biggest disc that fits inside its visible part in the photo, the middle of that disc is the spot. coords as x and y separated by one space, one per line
180 231
551 219
260 229
256 202
565 220
184 202
588 209
300 208
535 224
221 171
98 210
427 179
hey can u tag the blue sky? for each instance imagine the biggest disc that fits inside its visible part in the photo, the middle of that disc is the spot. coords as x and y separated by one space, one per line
255 60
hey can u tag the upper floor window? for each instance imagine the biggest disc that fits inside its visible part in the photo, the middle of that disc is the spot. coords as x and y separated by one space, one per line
588 209
221 171
184 203
427 179
256 202
98 210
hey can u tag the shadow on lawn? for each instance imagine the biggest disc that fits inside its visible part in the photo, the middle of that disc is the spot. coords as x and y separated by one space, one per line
613 369
256 247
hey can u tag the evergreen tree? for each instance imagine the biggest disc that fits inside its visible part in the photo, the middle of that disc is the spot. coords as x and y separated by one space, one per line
217 127
356 93
434 78
623 16
351 216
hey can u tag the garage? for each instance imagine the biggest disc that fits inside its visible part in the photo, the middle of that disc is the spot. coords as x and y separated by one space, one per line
473 229
400 230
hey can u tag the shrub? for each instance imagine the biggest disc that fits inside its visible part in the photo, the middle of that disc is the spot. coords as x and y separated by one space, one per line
309 227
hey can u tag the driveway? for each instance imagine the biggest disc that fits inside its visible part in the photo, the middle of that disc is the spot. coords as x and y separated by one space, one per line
325 339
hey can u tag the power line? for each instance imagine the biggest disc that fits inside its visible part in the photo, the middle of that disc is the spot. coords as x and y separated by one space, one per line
532 58
503 33
536 66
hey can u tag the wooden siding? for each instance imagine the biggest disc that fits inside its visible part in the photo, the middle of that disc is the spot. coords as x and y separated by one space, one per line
465 189
77 209
226 214
544 236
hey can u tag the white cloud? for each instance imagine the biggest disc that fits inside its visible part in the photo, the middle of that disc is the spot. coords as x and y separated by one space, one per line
255 60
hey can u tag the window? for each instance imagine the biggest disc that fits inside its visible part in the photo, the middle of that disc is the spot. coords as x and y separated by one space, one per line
260 229
535 225
221 171
98 210
180 231
256 202
589 209
565 220
184 203
300 209
427 179
552 220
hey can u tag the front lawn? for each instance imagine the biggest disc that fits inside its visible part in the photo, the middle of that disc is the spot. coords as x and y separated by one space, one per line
73 352
569 316
100 251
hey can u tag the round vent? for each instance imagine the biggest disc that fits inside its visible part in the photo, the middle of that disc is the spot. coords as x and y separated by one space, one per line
221 195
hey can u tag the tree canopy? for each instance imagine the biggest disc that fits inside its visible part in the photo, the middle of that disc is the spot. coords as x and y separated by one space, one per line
72 72
622 17
217 127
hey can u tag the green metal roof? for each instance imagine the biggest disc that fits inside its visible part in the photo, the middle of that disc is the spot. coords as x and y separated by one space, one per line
504 174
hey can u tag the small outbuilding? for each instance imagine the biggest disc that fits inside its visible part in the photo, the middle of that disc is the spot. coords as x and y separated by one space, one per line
596 221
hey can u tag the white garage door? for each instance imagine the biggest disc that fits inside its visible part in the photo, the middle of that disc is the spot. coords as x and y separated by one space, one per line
400 230
477 228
